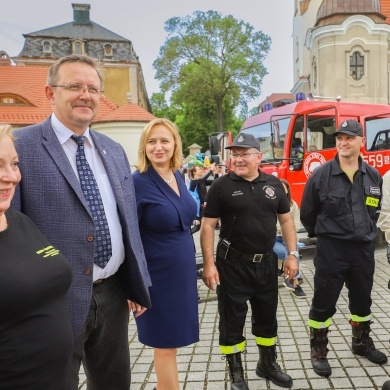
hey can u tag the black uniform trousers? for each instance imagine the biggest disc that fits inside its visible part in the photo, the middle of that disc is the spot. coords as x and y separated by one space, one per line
337 262
242 281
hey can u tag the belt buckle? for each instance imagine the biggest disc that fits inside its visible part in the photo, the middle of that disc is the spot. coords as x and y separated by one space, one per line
257 257
98 281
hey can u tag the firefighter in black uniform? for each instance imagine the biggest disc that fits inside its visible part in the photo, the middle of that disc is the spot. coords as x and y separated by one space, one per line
340 206
248 202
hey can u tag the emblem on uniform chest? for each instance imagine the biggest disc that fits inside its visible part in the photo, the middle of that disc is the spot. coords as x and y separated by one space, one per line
269 192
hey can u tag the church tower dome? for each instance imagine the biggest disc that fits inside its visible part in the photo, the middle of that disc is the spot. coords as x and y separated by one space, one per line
336 11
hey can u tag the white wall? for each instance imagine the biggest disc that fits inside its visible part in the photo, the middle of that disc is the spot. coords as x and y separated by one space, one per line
125 133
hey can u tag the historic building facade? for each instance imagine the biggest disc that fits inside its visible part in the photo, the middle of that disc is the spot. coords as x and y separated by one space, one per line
124 107
124 81
341 48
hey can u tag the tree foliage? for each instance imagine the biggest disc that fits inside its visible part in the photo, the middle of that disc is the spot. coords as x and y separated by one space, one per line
212 61
160 107
197 121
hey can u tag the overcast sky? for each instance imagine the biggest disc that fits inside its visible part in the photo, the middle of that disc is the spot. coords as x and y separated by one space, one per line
142 22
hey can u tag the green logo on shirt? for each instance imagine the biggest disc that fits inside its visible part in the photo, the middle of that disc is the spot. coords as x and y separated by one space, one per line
49 251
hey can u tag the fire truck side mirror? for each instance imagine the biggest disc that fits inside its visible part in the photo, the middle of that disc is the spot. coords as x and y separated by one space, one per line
296 166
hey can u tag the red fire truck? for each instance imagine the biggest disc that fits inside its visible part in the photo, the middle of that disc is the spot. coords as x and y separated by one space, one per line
296 138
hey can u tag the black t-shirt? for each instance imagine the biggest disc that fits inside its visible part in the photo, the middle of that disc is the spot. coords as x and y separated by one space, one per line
254 205
36 340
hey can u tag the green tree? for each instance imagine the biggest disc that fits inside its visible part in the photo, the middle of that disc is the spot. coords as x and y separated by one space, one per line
160 107
198 112
215 58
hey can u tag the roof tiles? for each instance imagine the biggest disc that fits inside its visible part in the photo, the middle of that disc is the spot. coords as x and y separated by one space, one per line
385 10
28 82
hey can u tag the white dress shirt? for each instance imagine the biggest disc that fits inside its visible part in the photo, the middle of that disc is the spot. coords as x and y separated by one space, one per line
110 207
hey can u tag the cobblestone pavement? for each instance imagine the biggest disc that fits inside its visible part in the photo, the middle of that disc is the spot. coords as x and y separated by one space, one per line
201 366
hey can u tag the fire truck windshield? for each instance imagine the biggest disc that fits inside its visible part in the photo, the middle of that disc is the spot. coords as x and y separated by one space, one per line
270 134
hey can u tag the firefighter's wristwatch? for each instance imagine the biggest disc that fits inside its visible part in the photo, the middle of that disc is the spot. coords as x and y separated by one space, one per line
294 253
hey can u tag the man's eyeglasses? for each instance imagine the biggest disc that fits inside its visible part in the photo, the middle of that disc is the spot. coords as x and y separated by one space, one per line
80 88
242 155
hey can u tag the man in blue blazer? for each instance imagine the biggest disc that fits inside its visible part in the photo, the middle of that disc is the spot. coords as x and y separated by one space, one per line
50 193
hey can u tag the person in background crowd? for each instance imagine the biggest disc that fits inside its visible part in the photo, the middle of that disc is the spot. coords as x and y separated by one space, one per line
248 202
280 246
185 176
35 331
199 181
166 211
77 187
340 206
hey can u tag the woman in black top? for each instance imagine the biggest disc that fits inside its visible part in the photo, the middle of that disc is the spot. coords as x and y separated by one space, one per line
36 340
199 182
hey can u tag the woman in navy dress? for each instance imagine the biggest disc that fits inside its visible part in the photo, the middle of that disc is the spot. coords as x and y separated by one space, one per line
166 211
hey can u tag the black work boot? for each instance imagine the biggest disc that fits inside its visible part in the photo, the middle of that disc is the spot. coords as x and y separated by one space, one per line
362 343
319 350
236 372
386 385
268 368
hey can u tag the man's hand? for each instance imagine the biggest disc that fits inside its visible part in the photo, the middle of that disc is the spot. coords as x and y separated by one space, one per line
210 276
290 267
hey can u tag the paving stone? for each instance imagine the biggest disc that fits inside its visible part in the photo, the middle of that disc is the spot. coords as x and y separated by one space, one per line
201 366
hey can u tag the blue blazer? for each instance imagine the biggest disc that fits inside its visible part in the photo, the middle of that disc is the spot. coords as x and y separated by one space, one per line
50 194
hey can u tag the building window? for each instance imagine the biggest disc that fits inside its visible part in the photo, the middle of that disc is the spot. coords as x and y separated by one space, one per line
315 74
46 47
78 47
13 100
108 51
356 66
7 100
3 55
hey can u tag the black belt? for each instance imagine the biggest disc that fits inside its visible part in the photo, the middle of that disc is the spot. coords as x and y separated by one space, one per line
254 258
97 282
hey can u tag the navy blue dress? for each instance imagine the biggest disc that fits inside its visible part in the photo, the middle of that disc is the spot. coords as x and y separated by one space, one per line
165 220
